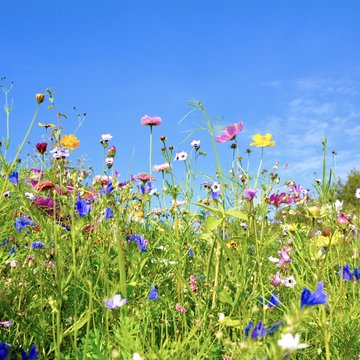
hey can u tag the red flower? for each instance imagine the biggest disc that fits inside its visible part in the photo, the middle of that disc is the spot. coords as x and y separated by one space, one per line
41 147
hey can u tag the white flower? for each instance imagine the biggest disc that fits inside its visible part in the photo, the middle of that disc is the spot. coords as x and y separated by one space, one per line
6 193
109 160
290 343
289 281
215 187
137 356
221 317
181 156
60 153
106 137
273 259
30 196
357 193
195 144
153 192
338 205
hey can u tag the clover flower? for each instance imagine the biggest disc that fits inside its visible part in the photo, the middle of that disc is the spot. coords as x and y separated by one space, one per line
147 120
162 167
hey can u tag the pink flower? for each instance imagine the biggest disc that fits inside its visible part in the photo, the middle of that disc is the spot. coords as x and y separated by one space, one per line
284 255
277 199
150 120
230 132
276 280
193 285
180 309
342 220
250 193
144 177
162 167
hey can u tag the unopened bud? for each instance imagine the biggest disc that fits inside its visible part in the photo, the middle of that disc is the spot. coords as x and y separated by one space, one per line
40 98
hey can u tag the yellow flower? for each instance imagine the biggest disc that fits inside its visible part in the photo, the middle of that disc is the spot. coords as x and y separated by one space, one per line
262 140
46 126
70 141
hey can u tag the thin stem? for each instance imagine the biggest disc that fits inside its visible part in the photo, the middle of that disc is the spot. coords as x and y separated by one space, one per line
260 164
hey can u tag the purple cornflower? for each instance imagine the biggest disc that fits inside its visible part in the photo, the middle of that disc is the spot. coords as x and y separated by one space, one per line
107 190
247 329
153 294
108 214
37 244
115 302
14 177
22 222
259 332
250 193
83 207
345 272
140 241
318 297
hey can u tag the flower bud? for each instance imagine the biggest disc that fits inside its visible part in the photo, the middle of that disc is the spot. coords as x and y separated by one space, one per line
40 98
162 138
112 151
342 220
314 211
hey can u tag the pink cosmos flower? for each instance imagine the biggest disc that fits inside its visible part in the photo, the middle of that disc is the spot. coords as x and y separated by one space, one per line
144 177
150 120
162 167
230 132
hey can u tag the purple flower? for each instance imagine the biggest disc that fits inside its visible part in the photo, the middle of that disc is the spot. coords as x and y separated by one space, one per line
14 177
259 332
140 241
318 297
37 244
22 222
230 132
5 324
250 193
345 272
108 214
83 207
153 294
115 302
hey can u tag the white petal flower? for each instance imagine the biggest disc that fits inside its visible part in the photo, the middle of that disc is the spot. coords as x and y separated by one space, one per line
338 205
106 137
290 343
195 144
181 156
273 259
357 193
288 281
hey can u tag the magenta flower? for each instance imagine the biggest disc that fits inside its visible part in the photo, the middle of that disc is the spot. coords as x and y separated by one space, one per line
150 120
250 193
277 199
144 177
230 132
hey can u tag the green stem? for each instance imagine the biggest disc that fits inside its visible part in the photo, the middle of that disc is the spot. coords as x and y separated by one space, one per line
260 164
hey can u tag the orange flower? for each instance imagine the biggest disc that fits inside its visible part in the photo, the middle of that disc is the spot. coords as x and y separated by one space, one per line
70 141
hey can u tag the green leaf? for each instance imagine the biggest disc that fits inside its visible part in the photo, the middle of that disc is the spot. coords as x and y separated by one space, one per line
211 223
210 209
225 297
237 214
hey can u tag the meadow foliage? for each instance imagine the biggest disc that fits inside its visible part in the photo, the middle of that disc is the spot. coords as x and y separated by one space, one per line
98 267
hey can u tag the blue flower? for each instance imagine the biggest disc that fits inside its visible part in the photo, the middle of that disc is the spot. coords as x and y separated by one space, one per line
12 250
108 214
109 188
14 177
115 302
345 272
357 273
153 294
191 253
83 207
140 241
318 297
4 351
22 222
37 244
259 332
247 329
32 354
274 327
274 301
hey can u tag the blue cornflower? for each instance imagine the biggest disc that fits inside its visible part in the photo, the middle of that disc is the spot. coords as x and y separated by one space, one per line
23 221
318 297
14 177
32 354
108 214
274 327
247 329
191 252
4 351
259 332
83 207
140 241
357 273
106 191
274 301
153 294
345 272
37 244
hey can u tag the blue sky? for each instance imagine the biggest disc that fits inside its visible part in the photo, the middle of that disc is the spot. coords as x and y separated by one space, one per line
291 68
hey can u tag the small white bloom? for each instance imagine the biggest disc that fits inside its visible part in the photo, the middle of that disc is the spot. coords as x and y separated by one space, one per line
137 356
288 281
109 160
30 196
181 156
357 193
106 137
195 144
60 153
338 205
215 187
221 317
153 192
273 259
290 343
6 193
318 181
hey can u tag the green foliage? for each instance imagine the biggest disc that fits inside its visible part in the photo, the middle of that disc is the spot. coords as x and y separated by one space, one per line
347 191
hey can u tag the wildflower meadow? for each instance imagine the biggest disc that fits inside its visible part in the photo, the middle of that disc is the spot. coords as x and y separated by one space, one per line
229 264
